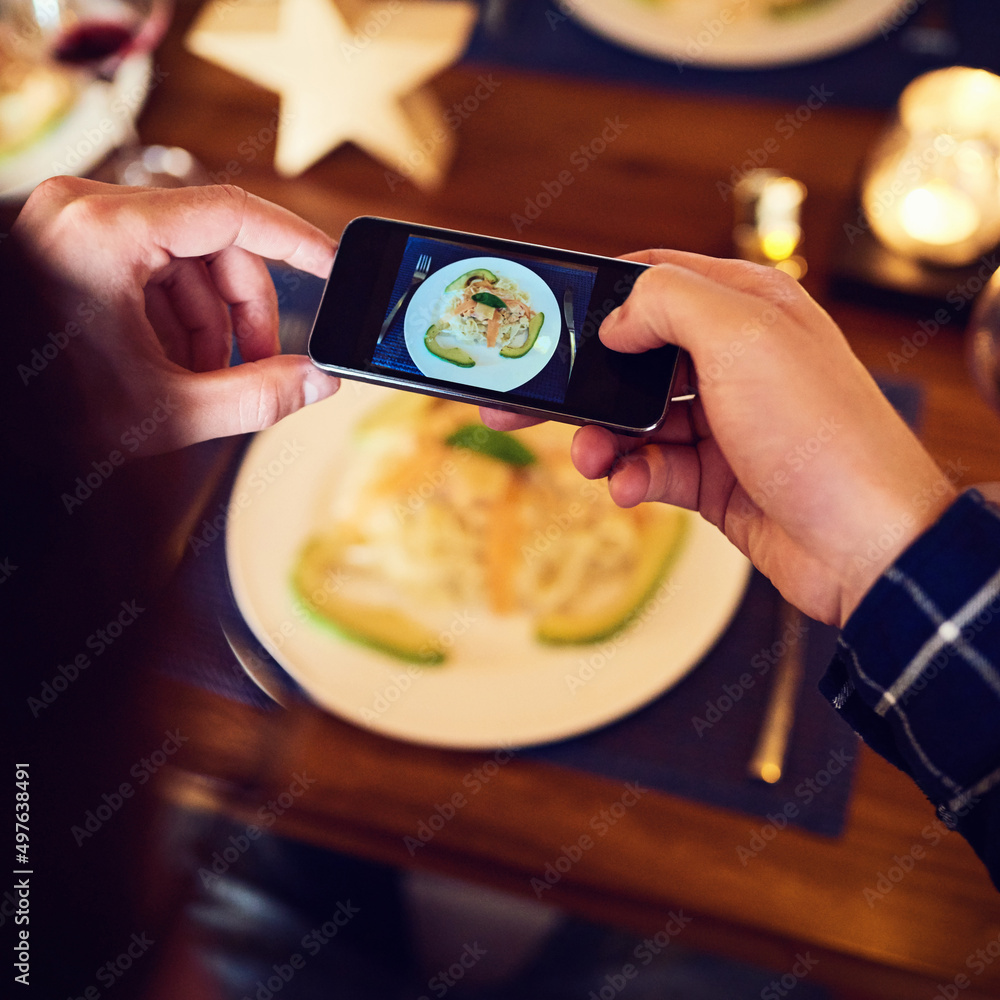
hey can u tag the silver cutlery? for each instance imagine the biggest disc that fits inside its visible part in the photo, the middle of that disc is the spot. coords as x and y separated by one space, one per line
423 268
768 760
260 667
568 313
498 16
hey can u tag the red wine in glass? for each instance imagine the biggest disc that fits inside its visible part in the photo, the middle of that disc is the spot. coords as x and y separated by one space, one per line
96 35
93 42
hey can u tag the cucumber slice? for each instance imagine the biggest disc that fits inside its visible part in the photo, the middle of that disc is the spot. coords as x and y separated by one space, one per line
455 355
534 325
493 444
463 279
663 540
385 629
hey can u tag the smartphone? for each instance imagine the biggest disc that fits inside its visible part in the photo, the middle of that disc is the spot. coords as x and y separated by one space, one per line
488 321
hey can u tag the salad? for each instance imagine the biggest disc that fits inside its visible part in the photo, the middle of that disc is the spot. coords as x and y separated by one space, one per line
437 515
484 309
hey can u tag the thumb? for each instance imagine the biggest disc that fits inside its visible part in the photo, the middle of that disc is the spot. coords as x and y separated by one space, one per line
675 304
249 397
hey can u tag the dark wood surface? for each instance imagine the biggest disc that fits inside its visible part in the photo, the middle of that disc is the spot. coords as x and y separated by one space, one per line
657 184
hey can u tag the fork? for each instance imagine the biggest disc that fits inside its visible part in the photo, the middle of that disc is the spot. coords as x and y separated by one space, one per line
421 272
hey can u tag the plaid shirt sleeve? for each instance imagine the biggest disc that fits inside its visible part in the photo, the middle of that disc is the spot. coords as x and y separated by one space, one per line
917 670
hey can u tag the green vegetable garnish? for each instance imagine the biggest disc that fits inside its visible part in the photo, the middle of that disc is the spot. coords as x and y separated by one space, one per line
494 444
489 299
794 8
453 354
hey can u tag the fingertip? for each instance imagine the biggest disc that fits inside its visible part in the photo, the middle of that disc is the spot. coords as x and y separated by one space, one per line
593 451
501 420
492 418
607 327
629 481
318 385
255 395
627 329
317 258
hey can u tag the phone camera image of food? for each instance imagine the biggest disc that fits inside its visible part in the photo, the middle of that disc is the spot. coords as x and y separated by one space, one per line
484 309
486 322
441 516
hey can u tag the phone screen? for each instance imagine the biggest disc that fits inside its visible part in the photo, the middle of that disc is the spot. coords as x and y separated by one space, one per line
478 318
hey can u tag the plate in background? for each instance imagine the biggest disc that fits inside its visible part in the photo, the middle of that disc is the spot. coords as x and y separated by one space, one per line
734 34
101 119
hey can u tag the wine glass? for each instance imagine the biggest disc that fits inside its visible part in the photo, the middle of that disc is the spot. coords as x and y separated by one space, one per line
103 43
88 36
983 342
92 36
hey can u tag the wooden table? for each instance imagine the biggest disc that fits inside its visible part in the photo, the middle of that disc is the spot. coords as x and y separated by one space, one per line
655 185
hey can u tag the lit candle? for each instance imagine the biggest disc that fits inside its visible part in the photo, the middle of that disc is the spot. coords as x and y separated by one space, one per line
939 214
932 190
768 205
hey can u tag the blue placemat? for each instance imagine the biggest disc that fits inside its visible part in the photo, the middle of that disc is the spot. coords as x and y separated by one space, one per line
696 739
541 35
550 383
191 645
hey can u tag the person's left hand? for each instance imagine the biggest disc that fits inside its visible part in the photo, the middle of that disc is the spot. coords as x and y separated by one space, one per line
149 287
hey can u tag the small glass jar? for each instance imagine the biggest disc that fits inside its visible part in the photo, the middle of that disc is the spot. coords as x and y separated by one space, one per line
984 342
932 187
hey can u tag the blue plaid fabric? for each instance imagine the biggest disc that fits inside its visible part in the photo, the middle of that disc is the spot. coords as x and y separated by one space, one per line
917 670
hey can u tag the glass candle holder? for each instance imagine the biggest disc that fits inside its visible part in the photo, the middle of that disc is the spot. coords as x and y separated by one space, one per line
984 342
767 230
932 187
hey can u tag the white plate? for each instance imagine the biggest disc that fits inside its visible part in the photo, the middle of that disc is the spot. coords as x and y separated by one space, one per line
697 34
499 687
491 371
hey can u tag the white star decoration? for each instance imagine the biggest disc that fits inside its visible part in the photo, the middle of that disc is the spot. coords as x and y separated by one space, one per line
341 81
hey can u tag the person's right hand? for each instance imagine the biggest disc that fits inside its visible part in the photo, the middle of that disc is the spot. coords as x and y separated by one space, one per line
148 289
790 448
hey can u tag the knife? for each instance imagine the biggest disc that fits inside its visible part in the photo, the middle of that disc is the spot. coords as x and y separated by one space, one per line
568 313
768 760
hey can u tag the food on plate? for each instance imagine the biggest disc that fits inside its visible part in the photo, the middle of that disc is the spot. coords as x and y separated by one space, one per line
482 308
453 354
525 344
478 273
783 8
588 623
33 95
439 516
494 444
383 628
